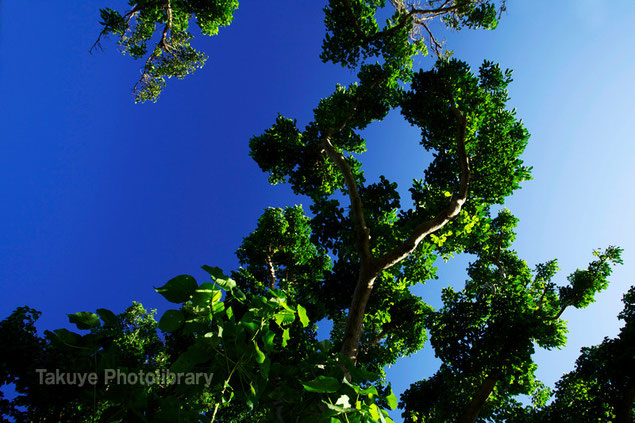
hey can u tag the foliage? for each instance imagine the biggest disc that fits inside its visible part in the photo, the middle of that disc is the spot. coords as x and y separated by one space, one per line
494 140
602 386
237 341
486 334
126 341
280 252
354 34
172 55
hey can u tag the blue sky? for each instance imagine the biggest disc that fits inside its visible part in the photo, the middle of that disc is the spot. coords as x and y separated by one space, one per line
103 199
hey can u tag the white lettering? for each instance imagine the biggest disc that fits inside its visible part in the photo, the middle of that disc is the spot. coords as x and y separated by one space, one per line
92 379
109 376
40 371
208 379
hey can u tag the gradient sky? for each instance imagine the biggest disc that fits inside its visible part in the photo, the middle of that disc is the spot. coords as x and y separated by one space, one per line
103 199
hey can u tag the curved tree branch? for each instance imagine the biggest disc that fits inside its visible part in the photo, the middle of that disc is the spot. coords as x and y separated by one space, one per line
451 211
163 45
370 269
479 398
409 14
357 209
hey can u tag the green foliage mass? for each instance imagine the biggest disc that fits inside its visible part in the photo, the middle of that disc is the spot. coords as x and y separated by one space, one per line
491 327
602 385
495 138
171 55
242 341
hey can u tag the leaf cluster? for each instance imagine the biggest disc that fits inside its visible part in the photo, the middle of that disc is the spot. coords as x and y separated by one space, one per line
491 327
158 30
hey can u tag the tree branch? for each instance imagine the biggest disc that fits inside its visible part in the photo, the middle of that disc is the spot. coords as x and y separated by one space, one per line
370 268
434 43
380 336
357 310
162 45
402 7
357 210
451 211
417 16
479 398
570 302
272 271
128 17
542 296
168 27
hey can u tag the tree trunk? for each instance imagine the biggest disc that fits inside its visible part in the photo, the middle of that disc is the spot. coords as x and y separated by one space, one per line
272 272
479 399
624 409
355 321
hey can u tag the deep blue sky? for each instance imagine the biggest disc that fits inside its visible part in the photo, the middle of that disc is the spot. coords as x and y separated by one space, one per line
103 199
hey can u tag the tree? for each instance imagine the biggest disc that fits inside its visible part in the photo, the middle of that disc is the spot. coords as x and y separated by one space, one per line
128 340
602 386
354 32
172 55
486 334
451 123
353 261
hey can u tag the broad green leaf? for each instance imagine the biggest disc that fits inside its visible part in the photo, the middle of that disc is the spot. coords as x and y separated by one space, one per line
267 339
374 412
278 294
238 294
84 320
285 337
304 319
265 368
392 400
218 307
215 272
178 289
260 356
251 325
219 278
195 354
196 325
322 384
227 284
282 302
370 391
284 317
107 316
171 320
205 294
68 337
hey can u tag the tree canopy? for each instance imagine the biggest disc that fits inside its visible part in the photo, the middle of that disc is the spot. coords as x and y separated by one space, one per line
248 340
